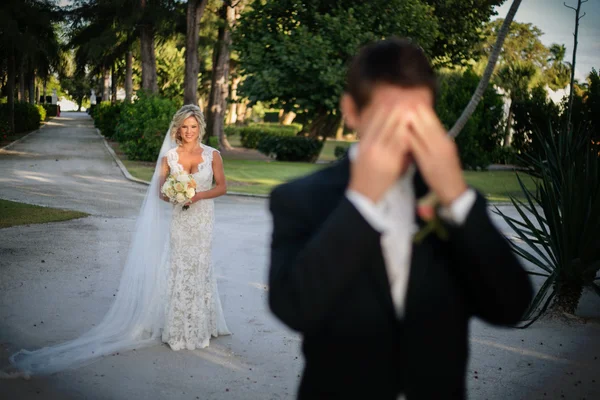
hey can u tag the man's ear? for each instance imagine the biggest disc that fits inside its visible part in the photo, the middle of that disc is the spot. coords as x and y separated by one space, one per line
349 111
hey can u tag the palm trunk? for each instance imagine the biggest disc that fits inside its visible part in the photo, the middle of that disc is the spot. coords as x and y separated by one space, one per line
32 88
577 18
21 94
220 84
10 85
487 74
113 85
128 77
508 132
195 9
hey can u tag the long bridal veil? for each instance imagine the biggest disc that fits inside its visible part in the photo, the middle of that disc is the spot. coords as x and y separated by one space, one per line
135 319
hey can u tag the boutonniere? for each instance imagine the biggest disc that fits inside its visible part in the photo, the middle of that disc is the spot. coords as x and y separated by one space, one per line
428 211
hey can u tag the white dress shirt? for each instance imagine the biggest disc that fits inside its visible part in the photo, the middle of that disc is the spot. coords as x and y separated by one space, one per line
394 217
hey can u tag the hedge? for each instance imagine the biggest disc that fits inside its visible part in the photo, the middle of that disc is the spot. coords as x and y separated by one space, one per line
27 116
291 148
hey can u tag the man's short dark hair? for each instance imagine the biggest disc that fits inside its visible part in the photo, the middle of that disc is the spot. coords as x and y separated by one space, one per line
394 61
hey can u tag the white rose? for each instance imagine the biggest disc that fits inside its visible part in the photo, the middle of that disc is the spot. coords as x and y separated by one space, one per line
180 198
171 192
165 187
179 187
183 178
190 193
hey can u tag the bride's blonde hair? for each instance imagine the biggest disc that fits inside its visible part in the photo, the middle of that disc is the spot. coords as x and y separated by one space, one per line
189 110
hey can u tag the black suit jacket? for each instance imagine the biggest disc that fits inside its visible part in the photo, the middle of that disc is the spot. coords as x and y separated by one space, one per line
328 281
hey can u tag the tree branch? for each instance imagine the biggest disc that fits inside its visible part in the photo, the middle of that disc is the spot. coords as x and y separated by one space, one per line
572 8
584 14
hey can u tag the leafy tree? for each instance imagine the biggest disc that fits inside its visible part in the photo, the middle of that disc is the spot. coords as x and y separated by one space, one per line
460 25
294 52
479 142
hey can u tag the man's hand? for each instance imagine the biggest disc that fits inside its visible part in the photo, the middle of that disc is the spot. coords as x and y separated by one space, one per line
436 154
381 153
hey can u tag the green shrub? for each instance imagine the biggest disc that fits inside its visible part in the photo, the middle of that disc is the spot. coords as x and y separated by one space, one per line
27 116
296 128
291 148
271 116
142 126
340 152
51 110
482 134
106 116
250 136
42 111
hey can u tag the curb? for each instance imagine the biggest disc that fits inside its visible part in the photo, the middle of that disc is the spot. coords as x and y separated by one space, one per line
119 162
11 144
128 176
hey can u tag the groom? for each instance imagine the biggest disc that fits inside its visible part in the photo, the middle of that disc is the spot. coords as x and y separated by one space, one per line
384 316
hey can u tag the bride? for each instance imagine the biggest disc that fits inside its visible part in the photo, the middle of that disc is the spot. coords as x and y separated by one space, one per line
168 290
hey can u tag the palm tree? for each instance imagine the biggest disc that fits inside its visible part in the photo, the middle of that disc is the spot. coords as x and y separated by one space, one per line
514 79
29 43
558 75
487 74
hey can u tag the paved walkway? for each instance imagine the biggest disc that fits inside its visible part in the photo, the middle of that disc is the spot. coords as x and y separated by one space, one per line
57 280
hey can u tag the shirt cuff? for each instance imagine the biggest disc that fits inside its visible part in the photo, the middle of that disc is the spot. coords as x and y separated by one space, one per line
371 212
457 212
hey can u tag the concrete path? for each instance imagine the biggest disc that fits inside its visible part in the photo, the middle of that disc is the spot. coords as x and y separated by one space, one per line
57 280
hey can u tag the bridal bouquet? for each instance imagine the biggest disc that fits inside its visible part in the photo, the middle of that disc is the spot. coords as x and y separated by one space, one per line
179 188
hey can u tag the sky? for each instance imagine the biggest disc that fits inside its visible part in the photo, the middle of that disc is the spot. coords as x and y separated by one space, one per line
558 24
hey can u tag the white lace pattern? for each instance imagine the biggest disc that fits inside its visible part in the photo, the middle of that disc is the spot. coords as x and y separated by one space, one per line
193 310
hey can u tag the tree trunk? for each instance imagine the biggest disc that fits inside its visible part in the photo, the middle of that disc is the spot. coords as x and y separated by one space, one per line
567 297
339 133
220 80
148 58
113 85
32 97
128 77
577 18
105 84
232 116
288 118
508 132
324 125
195 9
10 85
487 74
21 94
242 109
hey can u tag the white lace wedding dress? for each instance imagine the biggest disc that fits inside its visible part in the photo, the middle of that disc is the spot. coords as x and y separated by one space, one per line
193 313
167 290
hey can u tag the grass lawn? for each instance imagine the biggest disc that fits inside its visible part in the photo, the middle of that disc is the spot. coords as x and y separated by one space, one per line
259 177
12 214
328 152
498 185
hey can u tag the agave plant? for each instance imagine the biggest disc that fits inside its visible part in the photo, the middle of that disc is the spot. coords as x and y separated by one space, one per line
560 221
